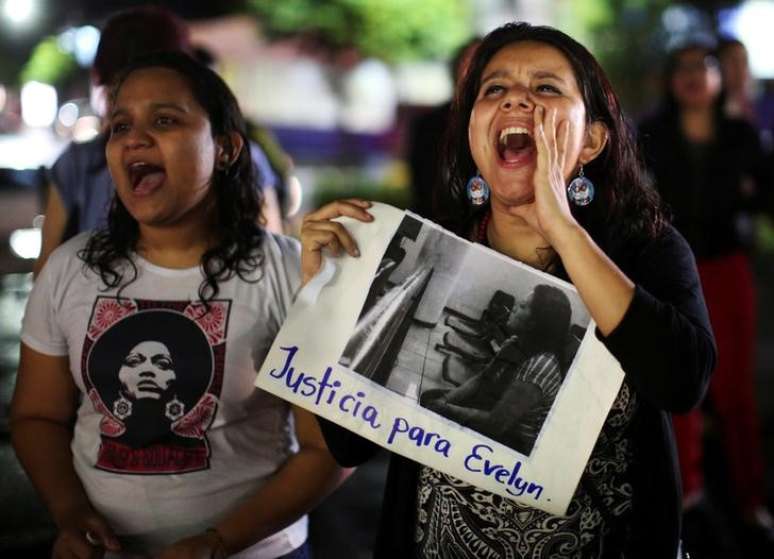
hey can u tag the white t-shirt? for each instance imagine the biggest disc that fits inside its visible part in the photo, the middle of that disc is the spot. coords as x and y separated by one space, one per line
170 433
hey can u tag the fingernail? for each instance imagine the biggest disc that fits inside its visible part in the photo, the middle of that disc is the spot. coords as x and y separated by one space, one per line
355 252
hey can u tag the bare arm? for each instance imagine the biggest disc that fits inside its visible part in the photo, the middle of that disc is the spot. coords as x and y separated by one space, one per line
516 418
508 356
53 227
519 399
270 210
42 415
464 390
295 489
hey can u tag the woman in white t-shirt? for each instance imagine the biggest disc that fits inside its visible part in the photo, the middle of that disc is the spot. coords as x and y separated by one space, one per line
135 413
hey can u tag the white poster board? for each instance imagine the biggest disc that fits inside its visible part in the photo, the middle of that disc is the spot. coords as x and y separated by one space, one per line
371 343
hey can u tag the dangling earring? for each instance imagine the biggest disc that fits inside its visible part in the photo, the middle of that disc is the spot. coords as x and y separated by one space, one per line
581 190
477 190
175 409
122 408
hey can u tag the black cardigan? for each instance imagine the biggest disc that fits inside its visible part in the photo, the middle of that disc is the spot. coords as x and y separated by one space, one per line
666 349
711 198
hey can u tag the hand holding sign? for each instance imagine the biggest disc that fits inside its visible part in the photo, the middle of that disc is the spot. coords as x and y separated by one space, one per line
319 231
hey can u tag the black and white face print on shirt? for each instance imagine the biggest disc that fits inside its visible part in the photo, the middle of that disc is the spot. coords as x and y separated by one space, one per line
154 371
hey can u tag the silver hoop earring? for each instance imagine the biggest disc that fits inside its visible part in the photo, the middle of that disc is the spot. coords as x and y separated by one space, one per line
580 190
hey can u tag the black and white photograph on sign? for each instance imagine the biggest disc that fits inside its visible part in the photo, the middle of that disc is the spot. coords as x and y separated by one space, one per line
489 351
452 355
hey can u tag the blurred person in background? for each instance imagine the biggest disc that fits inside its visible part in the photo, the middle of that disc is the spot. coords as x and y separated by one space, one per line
711 171
742 100
80 187
135 414
737 79
426 138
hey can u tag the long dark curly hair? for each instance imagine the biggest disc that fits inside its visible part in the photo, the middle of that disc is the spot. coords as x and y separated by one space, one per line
625 206
237 198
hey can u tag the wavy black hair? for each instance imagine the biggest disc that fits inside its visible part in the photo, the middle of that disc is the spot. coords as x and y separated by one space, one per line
237 197
625 206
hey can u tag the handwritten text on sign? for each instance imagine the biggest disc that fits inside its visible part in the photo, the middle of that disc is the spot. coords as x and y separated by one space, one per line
326 391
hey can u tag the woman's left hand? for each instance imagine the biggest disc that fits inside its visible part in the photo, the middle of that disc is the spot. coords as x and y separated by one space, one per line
200 546
550 213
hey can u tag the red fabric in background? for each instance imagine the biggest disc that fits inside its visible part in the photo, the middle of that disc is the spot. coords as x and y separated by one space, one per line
729 290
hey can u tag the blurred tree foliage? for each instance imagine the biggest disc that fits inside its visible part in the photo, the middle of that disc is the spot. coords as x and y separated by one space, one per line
392 30
628 39
48 63
386 184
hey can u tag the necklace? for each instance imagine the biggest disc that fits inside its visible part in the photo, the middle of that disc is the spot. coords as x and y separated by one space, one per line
481 236
546 256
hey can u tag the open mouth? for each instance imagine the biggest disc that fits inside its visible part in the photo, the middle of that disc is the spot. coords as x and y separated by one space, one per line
514 143
145 177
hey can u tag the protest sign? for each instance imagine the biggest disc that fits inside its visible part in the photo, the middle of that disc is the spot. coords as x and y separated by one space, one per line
451 354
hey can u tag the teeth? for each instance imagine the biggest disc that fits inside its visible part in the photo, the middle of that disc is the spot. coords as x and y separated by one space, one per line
511 130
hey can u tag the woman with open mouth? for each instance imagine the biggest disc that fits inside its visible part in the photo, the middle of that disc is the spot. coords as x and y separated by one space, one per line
135 413
537 121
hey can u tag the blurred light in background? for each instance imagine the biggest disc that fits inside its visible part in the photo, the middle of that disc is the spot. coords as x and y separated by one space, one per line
20 13
678 19
295 196
25 243
29 149
287 92
3 97
68 114
370 98
686 24
752 23
423 83
81 42
86 42
76 120
86 128
39 104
